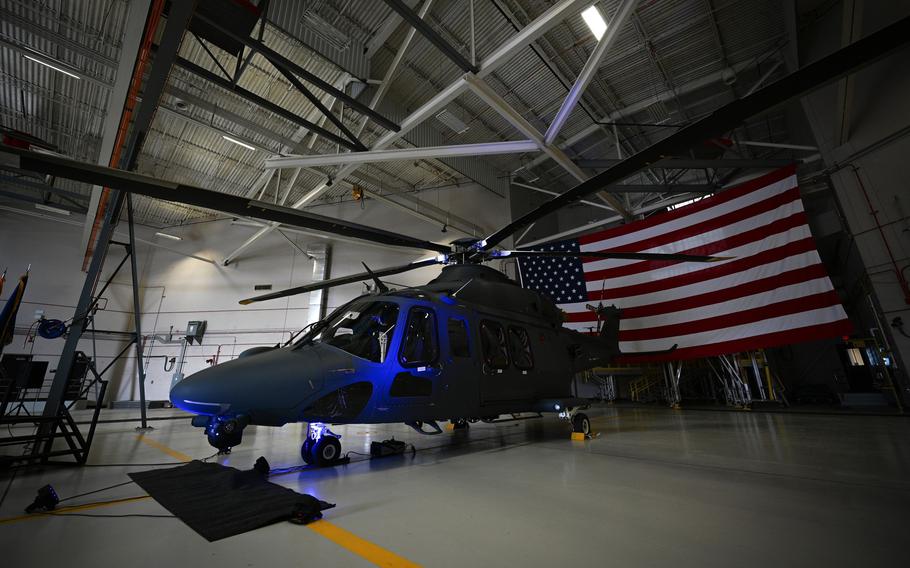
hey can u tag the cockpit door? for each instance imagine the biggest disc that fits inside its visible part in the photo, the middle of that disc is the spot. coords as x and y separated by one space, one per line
418 362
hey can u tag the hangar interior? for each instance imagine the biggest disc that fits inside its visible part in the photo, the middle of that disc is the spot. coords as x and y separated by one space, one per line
430 121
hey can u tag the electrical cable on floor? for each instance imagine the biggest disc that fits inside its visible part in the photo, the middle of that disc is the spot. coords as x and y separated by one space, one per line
97 491
103 516
159 464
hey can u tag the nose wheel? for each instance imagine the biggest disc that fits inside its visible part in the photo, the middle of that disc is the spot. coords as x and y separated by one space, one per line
224 434
321 446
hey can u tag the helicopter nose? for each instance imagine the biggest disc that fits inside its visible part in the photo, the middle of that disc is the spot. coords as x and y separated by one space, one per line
277 379
199 393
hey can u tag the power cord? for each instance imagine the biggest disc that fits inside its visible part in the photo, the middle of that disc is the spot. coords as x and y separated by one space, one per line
64 514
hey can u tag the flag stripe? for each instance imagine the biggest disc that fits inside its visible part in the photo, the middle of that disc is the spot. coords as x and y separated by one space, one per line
709 236
723 294
704 275
795 320
813 332
750 216
709 202
744 316
747 250
711 248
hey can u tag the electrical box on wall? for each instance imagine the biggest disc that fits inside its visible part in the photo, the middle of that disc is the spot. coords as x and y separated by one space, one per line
195 330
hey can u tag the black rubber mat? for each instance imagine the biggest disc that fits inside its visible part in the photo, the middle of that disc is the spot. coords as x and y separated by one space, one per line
218 501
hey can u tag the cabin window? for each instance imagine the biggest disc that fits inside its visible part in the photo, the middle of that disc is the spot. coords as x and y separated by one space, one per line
520 347
363 329
493 343
458 338
421 345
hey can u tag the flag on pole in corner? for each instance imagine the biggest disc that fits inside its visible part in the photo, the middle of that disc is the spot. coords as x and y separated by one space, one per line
8 314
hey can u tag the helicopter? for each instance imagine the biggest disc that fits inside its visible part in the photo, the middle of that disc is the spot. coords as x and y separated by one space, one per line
469 345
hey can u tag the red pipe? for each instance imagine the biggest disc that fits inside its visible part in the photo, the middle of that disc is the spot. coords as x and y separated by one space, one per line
151 26
905 288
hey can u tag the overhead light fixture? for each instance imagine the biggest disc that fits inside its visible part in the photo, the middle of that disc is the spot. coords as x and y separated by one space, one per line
44 207
595 21
54 67
238 142
167 236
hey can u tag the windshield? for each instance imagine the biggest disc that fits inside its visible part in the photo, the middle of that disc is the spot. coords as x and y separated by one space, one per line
363 329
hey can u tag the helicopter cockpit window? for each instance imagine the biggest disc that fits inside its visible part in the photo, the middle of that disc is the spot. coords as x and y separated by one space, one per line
493 343
421 344
364 330
458 338
520 346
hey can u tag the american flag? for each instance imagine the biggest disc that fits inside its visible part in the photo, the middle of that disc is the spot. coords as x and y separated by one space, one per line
773 290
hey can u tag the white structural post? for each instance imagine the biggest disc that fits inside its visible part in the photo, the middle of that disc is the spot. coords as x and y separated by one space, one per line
320 253
555 193
618 114
497 103
403 154
589 70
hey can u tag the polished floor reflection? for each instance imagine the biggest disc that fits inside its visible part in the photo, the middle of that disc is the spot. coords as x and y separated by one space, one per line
658 486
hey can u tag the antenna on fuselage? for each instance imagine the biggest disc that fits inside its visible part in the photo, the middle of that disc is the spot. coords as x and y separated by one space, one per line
463 286
379 285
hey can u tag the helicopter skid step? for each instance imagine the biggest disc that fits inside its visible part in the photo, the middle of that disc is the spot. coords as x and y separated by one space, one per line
418 425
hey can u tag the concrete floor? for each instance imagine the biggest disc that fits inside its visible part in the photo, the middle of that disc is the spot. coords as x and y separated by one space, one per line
691 488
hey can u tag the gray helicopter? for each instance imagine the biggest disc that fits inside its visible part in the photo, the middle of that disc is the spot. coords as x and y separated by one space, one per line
469 345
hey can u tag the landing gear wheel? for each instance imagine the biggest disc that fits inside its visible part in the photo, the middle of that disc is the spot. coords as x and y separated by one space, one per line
459 424
326 451
306 451
581 424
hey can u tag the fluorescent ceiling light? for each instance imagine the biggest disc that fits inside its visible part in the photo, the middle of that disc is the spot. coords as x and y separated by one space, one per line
167 236
43 207
238 142
55 68
595 21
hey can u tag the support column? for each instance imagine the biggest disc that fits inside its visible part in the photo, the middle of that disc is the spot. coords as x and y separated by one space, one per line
321 254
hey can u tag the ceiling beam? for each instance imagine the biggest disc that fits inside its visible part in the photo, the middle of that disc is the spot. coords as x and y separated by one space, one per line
530 33
498 104
283 62
372 156
822 72
688 163
428 32
589 70
252 97
619 114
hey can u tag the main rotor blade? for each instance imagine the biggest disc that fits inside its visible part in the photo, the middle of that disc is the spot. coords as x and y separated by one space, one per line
199 197
323 284
815 75
613 255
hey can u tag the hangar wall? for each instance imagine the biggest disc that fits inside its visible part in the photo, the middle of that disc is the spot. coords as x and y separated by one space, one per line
864 123
176 289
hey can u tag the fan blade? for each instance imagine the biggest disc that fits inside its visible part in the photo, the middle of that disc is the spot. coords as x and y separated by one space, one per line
814 75
613 255
322 285
199 197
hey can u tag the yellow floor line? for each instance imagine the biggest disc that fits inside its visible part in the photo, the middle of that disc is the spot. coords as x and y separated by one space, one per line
73 509
362 548
159 446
